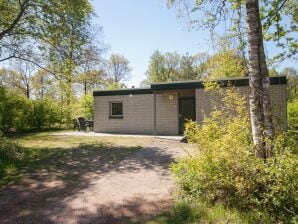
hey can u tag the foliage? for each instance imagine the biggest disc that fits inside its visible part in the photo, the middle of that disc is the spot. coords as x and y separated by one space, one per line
92 79
292 75
10 152
14 111
45 114
224 168
29 25
118 69
190 210
19 114
115 85
225 64
293 114
87 102
43 85
279 22
171 66
83 107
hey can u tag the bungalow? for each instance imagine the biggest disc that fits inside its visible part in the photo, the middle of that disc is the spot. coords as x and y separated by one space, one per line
162 108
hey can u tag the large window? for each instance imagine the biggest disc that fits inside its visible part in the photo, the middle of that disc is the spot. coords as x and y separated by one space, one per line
116 110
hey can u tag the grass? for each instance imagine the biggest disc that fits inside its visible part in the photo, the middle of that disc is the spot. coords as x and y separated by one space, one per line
197 212
70 155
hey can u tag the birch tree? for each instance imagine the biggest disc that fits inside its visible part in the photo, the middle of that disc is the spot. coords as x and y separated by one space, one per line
259 83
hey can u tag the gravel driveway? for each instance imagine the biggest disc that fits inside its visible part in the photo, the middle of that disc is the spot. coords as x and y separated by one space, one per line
134 189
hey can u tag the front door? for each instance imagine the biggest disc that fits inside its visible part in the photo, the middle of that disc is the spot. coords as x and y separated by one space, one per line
187 111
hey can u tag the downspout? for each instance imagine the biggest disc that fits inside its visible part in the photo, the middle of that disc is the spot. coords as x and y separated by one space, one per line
154 114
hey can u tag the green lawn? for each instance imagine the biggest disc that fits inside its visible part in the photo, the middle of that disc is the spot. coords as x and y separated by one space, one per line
70 155
198 212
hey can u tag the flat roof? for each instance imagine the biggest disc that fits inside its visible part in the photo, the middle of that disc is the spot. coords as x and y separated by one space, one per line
189 84
122 91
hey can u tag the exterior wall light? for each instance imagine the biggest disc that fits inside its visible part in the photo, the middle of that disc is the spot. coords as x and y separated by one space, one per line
171 97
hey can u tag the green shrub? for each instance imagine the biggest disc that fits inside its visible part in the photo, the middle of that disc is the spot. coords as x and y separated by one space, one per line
224 168
45 114
14 111
19 114
10 152
293 114
83 107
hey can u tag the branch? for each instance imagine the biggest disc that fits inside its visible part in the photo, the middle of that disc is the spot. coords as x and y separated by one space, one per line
277 10
23 7
35 63
4 59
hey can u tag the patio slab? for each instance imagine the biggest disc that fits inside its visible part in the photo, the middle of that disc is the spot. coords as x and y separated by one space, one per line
91 134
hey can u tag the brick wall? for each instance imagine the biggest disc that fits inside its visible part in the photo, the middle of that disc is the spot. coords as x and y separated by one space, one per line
138 111
167 113
278 95
137 114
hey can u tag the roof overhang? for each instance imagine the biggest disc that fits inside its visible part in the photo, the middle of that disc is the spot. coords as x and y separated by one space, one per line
196 84
122 92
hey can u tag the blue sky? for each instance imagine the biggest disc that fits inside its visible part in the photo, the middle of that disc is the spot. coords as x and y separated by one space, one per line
135 28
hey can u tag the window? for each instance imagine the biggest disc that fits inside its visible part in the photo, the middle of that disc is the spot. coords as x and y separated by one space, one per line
116 110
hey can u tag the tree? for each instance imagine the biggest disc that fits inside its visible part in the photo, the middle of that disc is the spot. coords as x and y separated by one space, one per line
156 68
30 22
225 64
19 79
172 66
292 75
92 79
260 107
117 69
64 49
190 66
115 85
91 67
24 74
56 33
43 84
259 98
6 76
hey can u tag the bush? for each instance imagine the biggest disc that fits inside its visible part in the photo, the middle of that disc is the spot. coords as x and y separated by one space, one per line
10 152
224 168
84 107
19 114
14 111
293 114
45 114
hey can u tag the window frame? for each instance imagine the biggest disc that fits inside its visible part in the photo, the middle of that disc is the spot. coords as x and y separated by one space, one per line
113 116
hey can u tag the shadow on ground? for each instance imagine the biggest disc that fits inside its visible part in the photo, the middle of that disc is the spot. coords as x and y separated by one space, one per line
57 174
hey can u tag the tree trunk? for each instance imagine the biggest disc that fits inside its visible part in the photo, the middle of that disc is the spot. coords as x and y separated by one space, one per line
259 83
42 87
28 91
85 88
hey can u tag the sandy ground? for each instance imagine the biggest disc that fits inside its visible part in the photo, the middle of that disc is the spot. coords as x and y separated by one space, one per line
132 190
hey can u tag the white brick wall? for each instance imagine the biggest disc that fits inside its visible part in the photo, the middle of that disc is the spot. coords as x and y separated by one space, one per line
138 111
166 114
278 95
137 114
